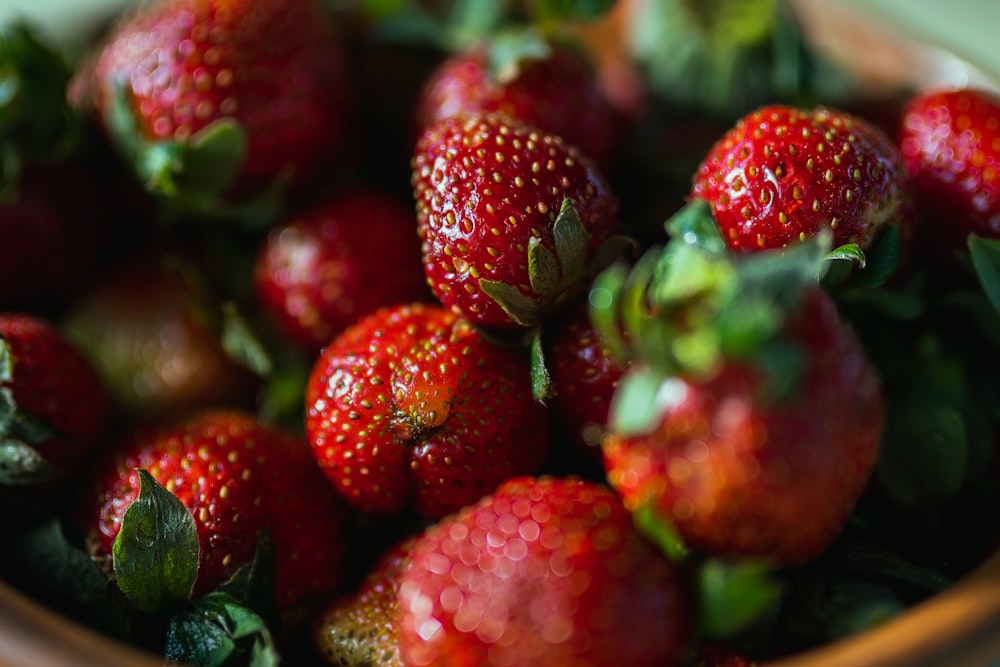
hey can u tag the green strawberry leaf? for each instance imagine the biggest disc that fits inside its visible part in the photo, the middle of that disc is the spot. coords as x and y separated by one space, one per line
39 559
522 309
241 344
568 10
849 252
603 307
253 583
213 157
544 273
642 395
20 462
542 387
35 119
660 532
217 630
155 554
510 49
985 255
924 457
571 239
695 225
732 595
882 260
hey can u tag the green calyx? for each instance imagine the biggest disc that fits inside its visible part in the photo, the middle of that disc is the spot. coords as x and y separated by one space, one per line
20 462
36 122
686 309
193 176
554 276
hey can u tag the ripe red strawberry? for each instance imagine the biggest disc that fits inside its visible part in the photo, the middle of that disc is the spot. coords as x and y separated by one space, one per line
783 174
950 140
545 571
153 334
585 375
556 91
412 408
320 271
51 399
237 477
498 245
738 472
361 629
173 73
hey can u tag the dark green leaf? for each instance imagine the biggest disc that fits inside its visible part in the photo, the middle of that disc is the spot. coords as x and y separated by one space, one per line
544 273
511 49
660 532
871 560
985 254
217 630
732 595
213 158
241 344
40 560
640 400
603 308
695 225
562 10
156 552
882 260
849 252
522 309
924 456
571 240
253 583
541 381
21 464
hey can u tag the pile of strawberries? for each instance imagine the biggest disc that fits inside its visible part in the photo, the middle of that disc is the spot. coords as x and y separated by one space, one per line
322 345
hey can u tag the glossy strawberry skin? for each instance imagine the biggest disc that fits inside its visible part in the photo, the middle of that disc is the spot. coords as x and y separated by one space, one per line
54 383
484 186
558 93
273 66
325 268
546 571
950 141
585 375
236 476
738 474
412 408
783 174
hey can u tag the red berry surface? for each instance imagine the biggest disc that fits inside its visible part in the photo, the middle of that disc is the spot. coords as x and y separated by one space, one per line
487 189
546 571
236 476
412 408
783 174
324 268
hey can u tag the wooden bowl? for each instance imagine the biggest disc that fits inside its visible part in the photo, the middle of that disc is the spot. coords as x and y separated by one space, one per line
957 628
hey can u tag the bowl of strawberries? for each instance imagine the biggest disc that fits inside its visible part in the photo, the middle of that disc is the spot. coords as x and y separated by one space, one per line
463 333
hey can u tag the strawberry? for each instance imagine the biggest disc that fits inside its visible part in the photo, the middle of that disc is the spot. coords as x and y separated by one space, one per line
509 216
221 98
950 141
319 271
546 89
152 332
412 408
585 375
360 629
52 402
782 174
236 476
751 418
545 571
